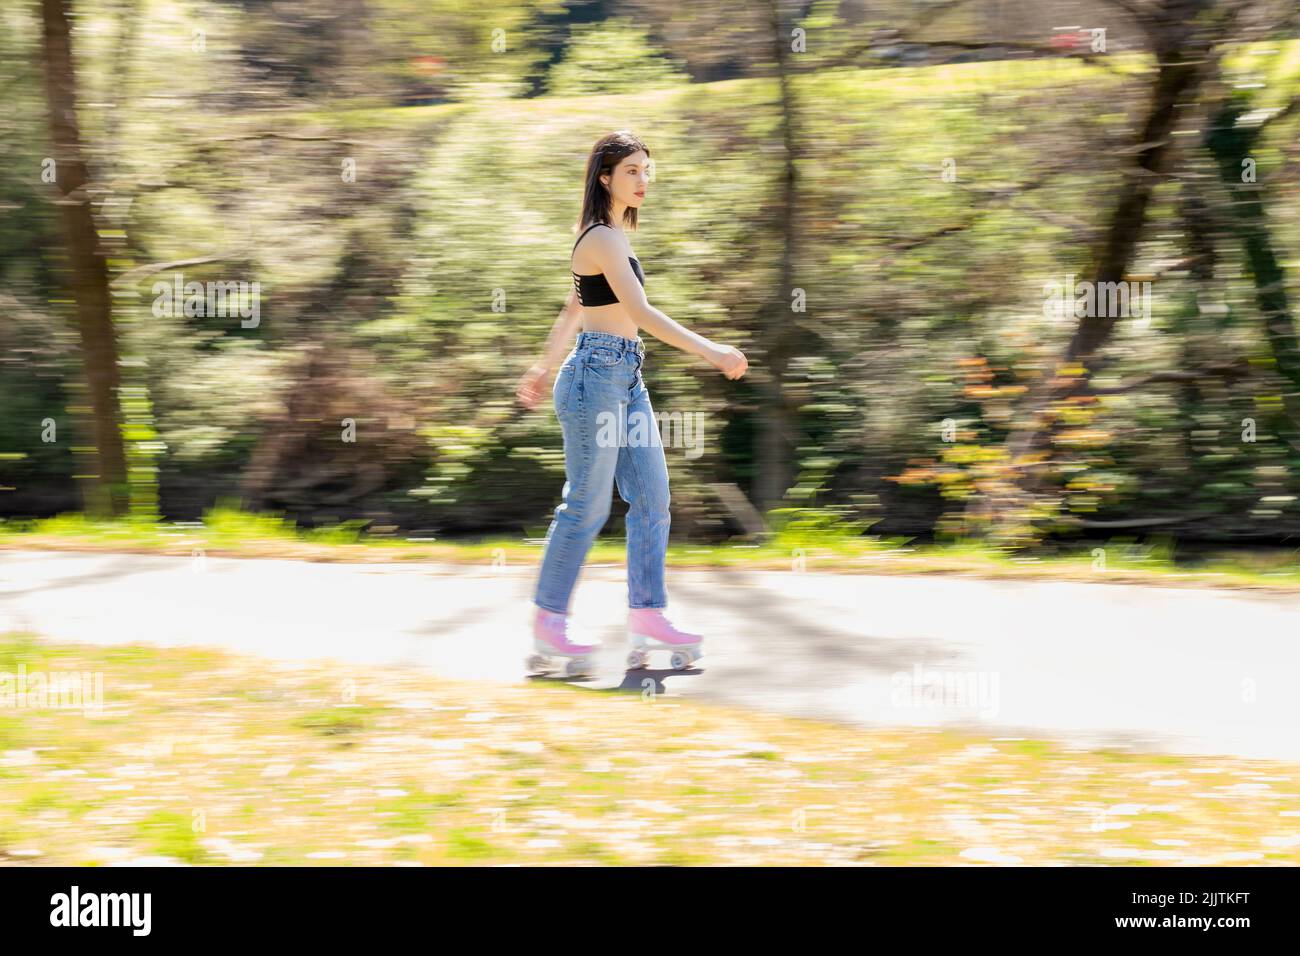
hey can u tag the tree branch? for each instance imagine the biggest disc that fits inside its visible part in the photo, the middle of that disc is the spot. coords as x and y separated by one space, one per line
992 197
1281 113
141 272
847 57
1229 371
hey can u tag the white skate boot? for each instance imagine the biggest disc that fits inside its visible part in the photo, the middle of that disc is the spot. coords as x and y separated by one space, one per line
553 652
648 629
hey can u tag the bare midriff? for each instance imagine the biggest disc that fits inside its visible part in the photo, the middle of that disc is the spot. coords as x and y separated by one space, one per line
609 318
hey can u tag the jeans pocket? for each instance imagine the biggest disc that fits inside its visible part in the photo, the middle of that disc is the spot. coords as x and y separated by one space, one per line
599 356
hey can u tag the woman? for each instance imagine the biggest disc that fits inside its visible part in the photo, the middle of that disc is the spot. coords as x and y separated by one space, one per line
600 384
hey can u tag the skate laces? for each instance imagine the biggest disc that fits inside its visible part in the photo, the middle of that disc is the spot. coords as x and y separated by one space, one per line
556 631
657 613
673 628
553 623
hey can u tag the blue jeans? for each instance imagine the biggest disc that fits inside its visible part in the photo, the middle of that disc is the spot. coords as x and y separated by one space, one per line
610 434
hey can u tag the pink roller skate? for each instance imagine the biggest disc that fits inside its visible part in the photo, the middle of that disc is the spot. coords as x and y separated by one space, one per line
647 629
551 644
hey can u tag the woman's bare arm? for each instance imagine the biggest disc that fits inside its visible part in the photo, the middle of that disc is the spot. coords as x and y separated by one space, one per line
532 386
613 261
562 331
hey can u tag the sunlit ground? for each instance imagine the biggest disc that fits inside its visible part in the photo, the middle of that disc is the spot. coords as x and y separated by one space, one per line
207 758
226 532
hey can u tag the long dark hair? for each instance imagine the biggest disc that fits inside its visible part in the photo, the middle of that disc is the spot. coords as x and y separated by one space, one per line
609 151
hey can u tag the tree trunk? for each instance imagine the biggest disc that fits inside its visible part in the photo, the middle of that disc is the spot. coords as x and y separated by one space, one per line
1230 143
1181 47
776 421
106 493
1189 320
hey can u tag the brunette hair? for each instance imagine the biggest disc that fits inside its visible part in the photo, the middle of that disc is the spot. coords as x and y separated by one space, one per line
609 151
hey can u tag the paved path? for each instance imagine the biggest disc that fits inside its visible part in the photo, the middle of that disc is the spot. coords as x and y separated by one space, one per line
1170 669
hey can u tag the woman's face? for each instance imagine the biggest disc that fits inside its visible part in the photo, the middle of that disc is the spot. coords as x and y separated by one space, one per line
630 178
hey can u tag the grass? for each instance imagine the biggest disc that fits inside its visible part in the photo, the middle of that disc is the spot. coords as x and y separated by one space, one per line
228 532
209 758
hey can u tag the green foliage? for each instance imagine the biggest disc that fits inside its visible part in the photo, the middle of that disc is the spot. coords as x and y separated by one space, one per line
172 835
614 56
338 720
799 527
228 521
445 261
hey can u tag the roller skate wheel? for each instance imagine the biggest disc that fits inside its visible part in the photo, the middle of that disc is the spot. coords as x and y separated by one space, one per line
637 659
577 667
535 663
681 660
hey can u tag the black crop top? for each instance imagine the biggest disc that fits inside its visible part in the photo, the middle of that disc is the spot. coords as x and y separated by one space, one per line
594 289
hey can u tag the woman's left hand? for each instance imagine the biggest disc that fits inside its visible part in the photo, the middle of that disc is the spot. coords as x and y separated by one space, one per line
533 386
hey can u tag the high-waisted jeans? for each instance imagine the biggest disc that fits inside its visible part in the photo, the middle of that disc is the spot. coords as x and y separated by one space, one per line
610 435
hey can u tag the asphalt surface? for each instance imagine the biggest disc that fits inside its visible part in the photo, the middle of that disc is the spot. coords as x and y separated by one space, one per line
1175 670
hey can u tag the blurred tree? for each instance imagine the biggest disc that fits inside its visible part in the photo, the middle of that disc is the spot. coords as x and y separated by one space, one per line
407 251
458 49
107 489
1181 34
716 41
614 56
1236 125
777 330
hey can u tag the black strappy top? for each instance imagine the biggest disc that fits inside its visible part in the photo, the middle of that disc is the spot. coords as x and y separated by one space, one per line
594 289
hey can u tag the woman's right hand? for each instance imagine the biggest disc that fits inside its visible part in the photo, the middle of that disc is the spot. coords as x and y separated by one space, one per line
532 386
728 360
